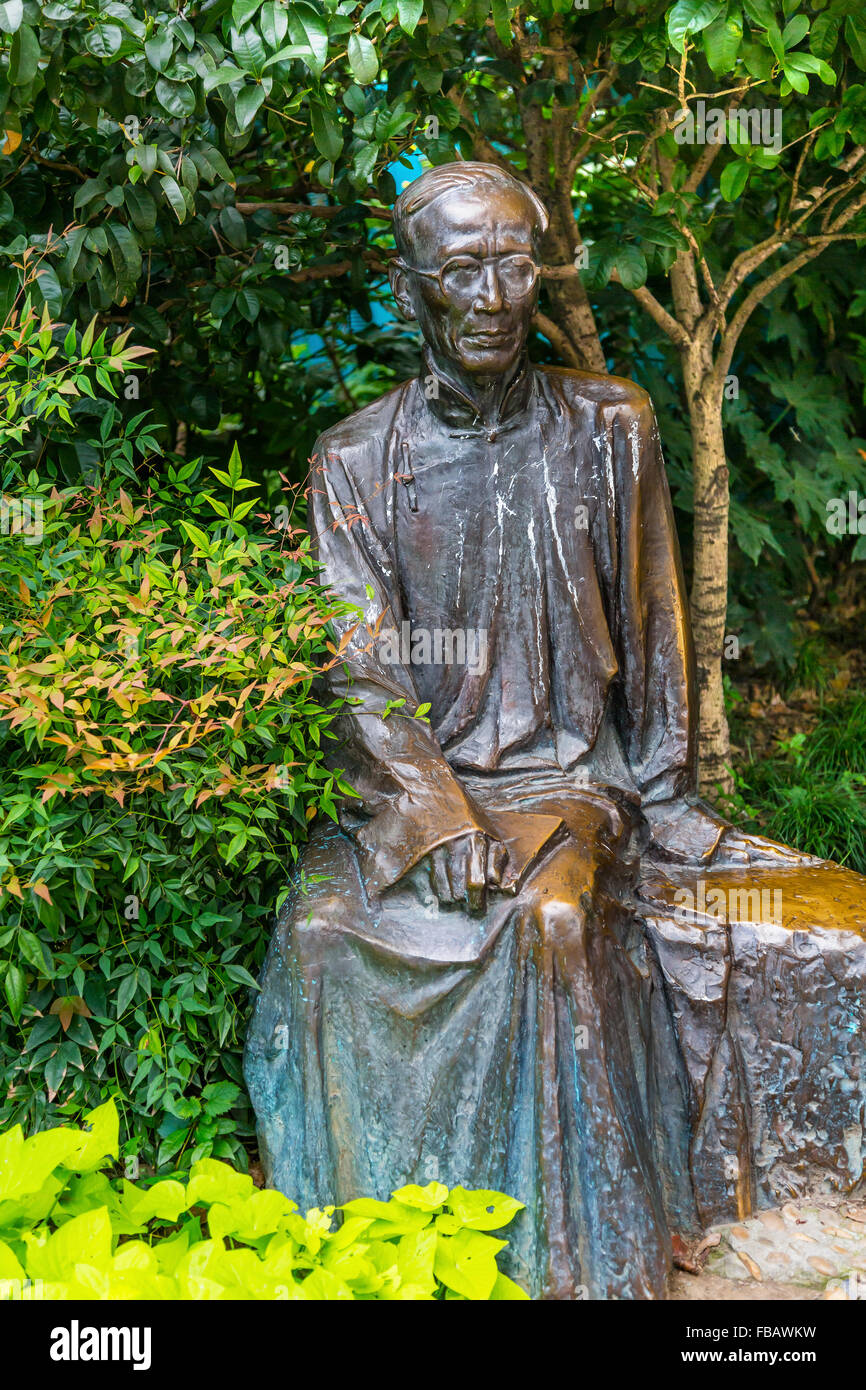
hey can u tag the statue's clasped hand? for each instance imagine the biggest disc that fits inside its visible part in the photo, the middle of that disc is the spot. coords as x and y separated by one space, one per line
464 869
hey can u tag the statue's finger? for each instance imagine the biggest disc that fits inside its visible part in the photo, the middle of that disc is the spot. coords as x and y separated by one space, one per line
497 859
476 876
457 865
439 880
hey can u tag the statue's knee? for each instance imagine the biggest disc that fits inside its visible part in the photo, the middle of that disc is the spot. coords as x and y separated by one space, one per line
314 923
561 922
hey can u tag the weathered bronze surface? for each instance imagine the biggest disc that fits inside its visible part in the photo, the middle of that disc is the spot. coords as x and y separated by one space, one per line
529 958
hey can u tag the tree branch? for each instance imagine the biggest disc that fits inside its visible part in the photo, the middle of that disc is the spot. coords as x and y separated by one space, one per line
558 340
666 322
771 282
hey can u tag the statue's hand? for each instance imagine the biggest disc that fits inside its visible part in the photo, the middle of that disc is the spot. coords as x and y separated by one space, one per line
462 870
738 847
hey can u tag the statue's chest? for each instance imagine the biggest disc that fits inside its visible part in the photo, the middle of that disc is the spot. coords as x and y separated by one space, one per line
475 520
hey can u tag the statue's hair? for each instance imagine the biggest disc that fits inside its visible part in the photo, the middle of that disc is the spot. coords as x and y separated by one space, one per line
444 178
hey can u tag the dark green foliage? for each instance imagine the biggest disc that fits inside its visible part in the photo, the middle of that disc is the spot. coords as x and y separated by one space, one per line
812 793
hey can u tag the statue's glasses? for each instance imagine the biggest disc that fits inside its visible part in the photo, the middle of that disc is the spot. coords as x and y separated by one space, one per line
461 277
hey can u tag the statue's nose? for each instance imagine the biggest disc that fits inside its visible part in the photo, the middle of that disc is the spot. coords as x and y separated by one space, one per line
489 298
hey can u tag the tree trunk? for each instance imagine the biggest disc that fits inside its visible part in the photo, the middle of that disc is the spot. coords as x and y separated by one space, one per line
570 308
709 595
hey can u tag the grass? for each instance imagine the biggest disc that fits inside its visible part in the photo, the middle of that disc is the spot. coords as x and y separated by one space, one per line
812 793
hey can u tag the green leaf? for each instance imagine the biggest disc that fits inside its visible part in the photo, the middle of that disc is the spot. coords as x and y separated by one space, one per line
125 254
223 76
158 50
273 23
11 15
100 1141
389 1218
197 536
466 1263
774 38
49 287
482 1210
31 949
126 991
689 17
631 267
855 33
235 469
807 62
248 304
506 1289
415 1255
327 135
23 57
243 11
220 1096
248 47
177 98
233 227
85 1240
798 80
722 41
429 1198
174 196
222 302
362 59
409 13
762 12
795 31
308 27
142 208
246 103
15 990
502 22
103 40
734 178
824 34
146 156
291 50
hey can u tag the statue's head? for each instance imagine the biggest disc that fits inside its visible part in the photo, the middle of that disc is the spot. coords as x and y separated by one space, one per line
467 264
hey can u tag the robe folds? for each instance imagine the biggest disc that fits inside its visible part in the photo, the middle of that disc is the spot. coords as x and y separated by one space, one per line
576 1043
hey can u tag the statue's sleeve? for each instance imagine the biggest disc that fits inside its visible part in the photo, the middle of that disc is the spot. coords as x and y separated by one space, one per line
658 710
393 760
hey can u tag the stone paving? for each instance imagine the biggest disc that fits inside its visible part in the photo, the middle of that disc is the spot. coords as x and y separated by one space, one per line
814 1247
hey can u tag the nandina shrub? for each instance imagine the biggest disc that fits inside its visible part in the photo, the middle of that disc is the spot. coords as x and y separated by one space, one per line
160 755
69 1230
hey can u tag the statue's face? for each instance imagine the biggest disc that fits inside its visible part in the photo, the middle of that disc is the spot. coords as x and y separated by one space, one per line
475 317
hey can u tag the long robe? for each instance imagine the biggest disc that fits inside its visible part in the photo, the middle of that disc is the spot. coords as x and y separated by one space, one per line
519 580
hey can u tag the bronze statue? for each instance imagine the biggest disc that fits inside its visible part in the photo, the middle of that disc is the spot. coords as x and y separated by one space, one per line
529 958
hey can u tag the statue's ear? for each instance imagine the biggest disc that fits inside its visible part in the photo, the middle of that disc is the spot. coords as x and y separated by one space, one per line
400 290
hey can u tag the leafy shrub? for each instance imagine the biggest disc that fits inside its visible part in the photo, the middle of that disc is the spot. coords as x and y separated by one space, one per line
813 793
160 759
85 1235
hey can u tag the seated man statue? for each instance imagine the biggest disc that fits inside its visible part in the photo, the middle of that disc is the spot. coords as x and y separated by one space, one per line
529 958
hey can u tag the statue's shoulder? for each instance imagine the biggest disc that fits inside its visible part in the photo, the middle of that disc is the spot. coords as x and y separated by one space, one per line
360 439
578 389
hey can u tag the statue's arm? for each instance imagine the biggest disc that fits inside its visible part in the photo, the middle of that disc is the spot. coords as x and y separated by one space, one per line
414 803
